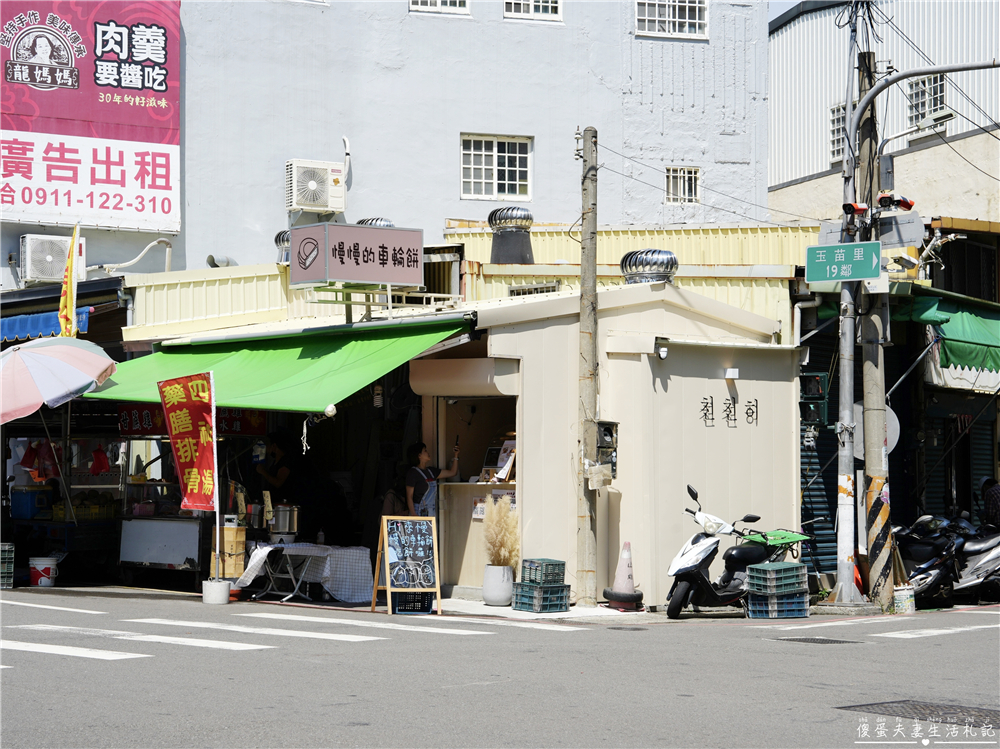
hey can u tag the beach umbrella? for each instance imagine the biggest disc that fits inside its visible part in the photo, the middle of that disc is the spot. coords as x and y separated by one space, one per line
50 371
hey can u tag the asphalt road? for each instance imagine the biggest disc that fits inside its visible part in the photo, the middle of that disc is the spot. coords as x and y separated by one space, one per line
111 668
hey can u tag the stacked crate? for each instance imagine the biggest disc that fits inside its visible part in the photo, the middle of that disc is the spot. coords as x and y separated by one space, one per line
778 590
6 566
541 589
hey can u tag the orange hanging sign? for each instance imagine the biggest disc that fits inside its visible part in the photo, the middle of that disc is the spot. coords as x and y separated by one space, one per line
189 409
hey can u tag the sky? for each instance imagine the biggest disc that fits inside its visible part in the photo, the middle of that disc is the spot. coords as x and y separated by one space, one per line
776 8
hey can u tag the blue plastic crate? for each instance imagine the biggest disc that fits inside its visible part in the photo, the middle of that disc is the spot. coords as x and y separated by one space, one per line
777 578
543 571
541 599
789 606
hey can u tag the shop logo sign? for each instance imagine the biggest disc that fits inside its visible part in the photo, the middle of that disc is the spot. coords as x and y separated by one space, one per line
308 252
42 59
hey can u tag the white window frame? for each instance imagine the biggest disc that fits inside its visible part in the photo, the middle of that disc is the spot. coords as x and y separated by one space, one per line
665 19
925 96
485 171
456 7
838 128
680 176
535 10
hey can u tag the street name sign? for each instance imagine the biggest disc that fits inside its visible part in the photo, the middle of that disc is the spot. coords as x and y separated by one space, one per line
859 261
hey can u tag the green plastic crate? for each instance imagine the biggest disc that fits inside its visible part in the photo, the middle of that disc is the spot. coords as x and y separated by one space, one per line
543 571
777 578
792 606
541 599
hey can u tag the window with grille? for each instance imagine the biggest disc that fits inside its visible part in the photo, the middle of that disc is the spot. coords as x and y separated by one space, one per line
682 185
540 10
838 129
496 168
440 6
926 98
674 18
535 288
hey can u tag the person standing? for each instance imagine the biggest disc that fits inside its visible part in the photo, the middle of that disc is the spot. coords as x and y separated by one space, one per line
422 480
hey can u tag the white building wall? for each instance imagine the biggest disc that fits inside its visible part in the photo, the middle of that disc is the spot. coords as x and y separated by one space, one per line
808 67
269 80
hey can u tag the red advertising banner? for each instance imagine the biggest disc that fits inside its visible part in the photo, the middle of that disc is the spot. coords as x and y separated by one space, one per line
189 408
91 113
147 420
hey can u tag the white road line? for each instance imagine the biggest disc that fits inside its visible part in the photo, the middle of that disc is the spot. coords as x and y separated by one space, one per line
54 608
842 623
258 630
138 637
912 633
6 667
101 655
988 612
506 623
375 625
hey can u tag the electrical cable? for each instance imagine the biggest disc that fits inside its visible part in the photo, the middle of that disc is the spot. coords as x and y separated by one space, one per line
945 140
707 189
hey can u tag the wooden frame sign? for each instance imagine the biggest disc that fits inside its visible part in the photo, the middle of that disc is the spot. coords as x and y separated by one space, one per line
408 546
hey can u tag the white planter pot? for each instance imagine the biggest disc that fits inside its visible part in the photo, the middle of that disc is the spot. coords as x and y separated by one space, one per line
498 585
215 591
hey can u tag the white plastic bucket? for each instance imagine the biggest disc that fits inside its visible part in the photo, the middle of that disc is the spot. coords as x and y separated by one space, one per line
43 571
903 600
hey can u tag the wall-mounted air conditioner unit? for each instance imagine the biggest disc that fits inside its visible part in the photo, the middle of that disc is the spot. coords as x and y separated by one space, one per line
43 258
315 186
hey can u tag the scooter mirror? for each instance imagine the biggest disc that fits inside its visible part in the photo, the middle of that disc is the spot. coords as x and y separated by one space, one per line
751 518
693 492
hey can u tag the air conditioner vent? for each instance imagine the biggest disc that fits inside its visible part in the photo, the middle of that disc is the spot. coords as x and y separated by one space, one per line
315 186
43 258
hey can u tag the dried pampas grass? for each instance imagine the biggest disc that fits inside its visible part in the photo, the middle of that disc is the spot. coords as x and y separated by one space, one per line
500 532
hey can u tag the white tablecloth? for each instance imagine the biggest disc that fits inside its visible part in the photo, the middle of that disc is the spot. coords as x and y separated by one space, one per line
344 572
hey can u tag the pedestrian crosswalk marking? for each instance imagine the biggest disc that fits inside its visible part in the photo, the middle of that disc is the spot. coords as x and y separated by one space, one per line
374 625
509 623
139 637
101 655
258 630
53 608
913 633
840 623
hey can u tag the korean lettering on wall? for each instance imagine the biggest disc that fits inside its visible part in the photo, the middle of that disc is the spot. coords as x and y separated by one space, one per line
91 114
189 410
734 413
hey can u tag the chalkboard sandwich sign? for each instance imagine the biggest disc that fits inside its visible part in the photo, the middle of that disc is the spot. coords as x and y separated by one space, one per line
407 560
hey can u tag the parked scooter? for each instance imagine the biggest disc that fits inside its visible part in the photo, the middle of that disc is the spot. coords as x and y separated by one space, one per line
929 559
690 567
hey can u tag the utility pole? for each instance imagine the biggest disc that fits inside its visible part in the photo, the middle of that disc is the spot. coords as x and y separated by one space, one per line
845 592
879 530
586 521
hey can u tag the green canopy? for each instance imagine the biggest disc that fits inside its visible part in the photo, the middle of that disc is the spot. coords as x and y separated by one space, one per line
302 373
970 335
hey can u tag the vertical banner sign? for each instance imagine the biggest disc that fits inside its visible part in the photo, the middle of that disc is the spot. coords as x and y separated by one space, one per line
90 126
189 408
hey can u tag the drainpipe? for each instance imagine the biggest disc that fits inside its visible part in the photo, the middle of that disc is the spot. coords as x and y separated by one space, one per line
797 316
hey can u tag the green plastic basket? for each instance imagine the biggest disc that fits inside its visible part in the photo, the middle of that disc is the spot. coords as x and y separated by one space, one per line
541 599
543 571
777 578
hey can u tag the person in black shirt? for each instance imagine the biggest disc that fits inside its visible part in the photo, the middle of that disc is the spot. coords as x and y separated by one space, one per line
422 480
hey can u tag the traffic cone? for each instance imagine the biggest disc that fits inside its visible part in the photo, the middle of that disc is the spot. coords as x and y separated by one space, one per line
623 595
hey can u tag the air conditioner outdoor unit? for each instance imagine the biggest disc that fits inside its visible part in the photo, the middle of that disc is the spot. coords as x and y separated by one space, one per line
43 258
315 186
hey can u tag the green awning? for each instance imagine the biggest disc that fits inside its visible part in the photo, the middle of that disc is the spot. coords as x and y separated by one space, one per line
302 373
970 335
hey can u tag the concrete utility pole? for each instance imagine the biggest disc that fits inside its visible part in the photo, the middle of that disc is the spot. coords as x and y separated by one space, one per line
879 530
586 538
845 592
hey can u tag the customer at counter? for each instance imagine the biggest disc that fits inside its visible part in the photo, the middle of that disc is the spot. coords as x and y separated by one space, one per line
422 479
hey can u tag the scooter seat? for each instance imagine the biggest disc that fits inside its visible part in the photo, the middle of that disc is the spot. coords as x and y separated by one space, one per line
744 554
979 545
923 550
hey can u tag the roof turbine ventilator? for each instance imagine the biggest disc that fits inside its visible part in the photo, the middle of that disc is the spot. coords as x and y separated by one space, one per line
511 227
649 266
381 223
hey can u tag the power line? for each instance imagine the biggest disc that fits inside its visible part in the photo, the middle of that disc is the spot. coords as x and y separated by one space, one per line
706 189
938 133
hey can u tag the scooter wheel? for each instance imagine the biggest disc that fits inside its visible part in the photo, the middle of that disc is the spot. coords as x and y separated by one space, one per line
678 599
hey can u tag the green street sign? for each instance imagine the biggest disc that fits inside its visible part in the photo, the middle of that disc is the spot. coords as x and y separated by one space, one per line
843 262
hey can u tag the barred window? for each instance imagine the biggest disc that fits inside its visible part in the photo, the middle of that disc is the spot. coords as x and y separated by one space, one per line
496 168
926 98
539 10
440 6
674 18
682 185
838 129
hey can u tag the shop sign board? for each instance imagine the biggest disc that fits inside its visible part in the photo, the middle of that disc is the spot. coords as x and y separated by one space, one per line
407 560
858 261
189 408
147 420
91 113
327 253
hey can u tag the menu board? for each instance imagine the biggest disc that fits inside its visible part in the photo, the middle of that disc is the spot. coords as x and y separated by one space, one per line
407 557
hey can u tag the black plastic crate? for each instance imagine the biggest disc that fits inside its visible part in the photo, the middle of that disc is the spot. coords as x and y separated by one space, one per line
412 603
541 599
543 571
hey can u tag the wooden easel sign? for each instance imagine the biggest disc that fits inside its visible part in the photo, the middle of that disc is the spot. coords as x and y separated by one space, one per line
407 558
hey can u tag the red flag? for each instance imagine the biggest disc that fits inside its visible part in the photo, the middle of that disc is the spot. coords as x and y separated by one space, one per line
189 408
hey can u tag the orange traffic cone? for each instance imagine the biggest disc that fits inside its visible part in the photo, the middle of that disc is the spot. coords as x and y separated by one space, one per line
623 595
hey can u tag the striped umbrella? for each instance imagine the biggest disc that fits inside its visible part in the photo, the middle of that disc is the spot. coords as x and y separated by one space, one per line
50 371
